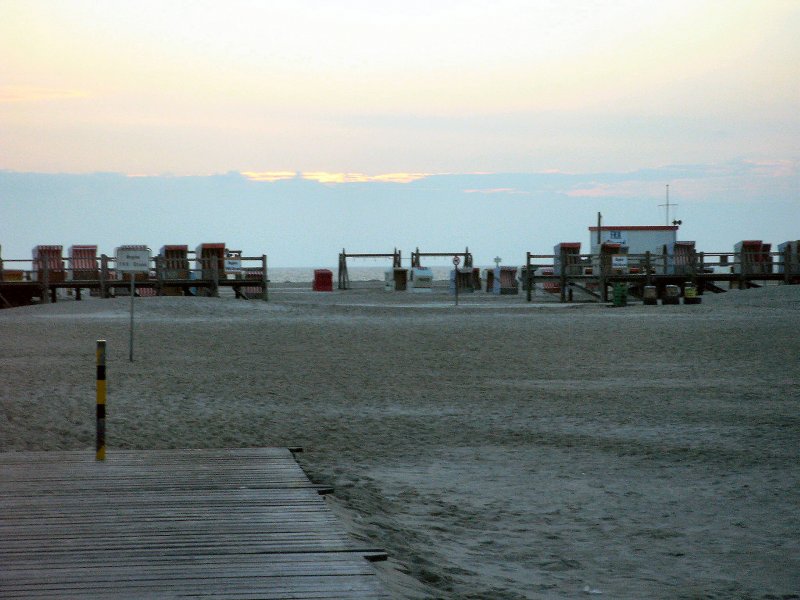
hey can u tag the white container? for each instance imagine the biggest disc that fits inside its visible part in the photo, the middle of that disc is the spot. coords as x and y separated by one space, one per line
421 280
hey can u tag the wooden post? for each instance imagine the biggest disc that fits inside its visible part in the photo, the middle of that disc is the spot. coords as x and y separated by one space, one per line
51 289
45 283
215 277
103 275
603 283
264 278
528 278
159 260
647 267
563 274
133 293
702 260
787 264
101 400
599 228
744 266
343 276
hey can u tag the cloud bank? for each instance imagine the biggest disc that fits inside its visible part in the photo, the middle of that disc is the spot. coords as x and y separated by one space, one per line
305 221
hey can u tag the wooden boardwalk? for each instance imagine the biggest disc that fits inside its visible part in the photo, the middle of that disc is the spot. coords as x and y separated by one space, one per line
231 524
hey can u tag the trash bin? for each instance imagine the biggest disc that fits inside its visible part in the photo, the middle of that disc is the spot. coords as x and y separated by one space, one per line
650 295
690 294
620 294
672 295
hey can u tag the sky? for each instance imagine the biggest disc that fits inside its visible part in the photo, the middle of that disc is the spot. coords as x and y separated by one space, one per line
502 125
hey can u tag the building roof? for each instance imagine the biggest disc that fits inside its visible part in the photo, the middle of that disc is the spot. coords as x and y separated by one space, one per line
635 228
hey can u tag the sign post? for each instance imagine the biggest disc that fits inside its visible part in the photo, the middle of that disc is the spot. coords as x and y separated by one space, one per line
456 260
101 400
233 262
619 261
132 260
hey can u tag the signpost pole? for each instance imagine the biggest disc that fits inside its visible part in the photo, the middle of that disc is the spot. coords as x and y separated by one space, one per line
132 276
132 260
101 400
456 260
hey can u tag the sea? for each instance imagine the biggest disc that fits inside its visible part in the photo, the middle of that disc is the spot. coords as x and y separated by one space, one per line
279 275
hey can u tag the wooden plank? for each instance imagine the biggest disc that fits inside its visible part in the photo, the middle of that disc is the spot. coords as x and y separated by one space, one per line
172 523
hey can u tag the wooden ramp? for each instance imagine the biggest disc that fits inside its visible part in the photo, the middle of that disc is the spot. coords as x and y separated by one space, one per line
231 524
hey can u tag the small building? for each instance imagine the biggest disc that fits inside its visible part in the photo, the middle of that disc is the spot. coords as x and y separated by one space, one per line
210 259
638 239
476 278
523 277
610 258
504 281
253 274
48 263
789 259
174 260
395 279
567 255
323 280
83 263
679 258
463 278
752 257
421 280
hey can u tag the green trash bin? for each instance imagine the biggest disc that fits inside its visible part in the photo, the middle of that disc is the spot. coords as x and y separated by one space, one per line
620 294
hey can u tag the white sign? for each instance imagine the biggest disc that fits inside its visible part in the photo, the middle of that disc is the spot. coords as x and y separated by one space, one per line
133 260
619 261
233 265
616 239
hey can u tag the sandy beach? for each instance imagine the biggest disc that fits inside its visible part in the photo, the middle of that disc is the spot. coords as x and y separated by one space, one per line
496 450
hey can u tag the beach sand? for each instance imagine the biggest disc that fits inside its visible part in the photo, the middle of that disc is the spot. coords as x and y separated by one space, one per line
495 450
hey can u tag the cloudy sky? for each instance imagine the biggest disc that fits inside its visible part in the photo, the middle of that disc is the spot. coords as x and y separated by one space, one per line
612 100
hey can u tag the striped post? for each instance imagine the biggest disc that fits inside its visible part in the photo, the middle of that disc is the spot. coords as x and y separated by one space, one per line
101 400
264 279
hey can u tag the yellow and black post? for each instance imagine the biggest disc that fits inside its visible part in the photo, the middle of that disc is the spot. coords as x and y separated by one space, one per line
101 400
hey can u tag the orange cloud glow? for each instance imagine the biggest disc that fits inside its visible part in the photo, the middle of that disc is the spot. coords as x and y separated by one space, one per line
400 177
269 175
326 177
26 93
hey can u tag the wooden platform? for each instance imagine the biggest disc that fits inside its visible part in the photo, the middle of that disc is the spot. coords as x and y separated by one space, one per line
231 524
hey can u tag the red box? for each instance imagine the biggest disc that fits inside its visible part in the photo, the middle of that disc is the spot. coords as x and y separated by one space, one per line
323 280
